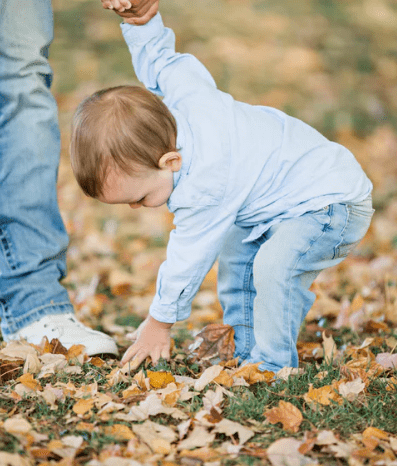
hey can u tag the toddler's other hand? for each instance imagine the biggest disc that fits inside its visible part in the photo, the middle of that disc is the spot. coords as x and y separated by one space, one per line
154 341
136 12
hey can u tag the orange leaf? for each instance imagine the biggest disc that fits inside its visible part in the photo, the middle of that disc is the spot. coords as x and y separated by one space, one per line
120 431
160 379
74 351
28 381
286 413
97 361
218 341
224 379
83 406
322 395
252 374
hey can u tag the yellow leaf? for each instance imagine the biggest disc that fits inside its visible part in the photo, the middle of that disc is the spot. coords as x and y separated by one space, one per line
83 406
286 413
252 374
75 351
322 395
160 379
28 381
224 379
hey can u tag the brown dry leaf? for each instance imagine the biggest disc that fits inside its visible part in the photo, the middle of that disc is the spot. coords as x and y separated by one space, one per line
252 374
225 426
160 379
28 381
8 370
83 406
218 341
286 413
322 395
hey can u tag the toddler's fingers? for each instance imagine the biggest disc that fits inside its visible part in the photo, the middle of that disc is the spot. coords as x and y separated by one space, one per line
165 354
107 5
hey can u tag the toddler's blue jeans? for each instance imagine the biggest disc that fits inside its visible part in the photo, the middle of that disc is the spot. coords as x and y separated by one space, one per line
264 286
33 239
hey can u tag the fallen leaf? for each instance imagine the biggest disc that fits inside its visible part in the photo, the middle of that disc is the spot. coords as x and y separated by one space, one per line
160 379
252 374
286 413
11 459
285 452
350 390
199 437
207 377
83 406
387 360
330 350
217 341
32 364
151 407
322 395
17 425
158 437
225 426
119 431
28 381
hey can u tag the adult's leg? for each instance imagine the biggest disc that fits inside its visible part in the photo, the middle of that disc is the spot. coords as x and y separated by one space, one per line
293 254
236 289
33 239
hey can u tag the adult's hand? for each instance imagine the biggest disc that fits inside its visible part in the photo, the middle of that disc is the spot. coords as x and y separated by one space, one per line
133 11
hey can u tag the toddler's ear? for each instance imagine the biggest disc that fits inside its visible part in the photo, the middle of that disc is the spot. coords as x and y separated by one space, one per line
172 161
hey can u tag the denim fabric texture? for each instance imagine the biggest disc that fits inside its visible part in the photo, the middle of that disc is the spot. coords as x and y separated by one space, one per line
248 171
33 239
264 285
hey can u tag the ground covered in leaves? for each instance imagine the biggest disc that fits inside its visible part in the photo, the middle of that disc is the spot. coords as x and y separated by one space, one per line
332 64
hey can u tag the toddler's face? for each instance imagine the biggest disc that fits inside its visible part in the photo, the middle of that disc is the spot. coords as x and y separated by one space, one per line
148 187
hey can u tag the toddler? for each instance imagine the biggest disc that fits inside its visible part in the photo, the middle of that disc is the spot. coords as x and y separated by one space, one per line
271 197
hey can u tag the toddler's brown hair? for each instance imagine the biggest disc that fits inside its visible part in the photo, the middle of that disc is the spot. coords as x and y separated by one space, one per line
121 127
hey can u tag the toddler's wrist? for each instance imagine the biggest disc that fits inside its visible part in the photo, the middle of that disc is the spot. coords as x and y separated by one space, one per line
162 325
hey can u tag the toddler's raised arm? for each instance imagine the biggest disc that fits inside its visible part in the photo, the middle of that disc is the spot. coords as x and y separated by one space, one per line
157 65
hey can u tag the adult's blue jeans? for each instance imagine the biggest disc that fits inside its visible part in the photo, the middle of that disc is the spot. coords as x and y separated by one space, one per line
264 285
33 239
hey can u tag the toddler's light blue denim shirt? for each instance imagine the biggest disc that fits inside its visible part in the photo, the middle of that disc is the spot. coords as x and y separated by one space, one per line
244 164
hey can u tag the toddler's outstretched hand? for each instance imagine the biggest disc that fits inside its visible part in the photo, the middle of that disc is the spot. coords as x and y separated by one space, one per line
133 11
154 341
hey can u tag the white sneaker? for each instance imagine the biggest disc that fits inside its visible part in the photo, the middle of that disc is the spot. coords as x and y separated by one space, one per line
69 332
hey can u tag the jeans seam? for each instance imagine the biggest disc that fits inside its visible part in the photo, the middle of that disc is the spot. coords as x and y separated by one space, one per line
247 299
336 248
7 249
292 345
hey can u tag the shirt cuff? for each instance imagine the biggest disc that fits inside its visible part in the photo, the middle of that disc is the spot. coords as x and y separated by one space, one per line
144 33
168 315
